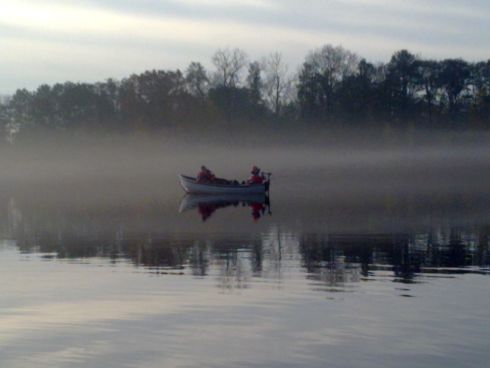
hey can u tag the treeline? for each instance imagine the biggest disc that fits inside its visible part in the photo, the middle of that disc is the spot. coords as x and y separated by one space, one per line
332 86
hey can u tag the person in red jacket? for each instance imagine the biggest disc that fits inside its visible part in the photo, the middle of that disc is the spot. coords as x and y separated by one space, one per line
257 177
205 175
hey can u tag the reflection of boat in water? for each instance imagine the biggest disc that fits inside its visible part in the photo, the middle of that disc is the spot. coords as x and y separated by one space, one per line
190 185
191 201
206 204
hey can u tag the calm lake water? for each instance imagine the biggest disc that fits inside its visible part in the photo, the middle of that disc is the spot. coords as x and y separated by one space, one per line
372 269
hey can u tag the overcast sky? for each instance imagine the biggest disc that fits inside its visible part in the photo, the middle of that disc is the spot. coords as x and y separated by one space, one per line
87 40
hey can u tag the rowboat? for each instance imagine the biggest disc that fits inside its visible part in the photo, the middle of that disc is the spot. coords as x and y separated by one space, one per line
190 185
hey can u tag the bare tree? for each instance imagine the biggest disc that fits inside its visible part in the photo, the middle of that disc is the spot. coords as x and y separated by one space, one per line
196 79
334 62
229 64
329 66
254 81
277 82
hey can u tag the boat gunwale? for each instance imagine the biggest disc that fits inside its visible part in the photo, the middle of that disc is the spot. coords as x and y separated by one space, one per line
241 186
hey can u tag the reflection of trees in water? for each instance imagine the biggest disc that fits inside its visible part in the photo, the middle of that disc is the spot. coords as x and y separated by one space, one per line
268 256
332 258
273 244
234 269
406 255
159 253
198 258
337 272
324 260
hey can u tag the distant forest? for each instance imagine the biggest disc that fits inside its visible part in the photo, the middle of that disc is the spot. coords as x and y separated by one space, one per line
333 86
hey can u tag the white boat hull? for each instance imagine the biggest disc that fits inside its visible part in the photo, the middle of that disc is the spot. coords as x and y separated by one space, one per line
190 185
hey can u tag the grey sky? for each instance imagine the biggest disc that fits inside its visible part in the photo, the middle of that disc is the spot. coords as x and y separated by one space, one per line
54 41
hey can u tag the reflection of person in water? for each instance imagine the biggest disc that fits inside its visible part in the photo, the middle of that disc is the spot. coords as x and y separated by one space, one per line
258 210
207 209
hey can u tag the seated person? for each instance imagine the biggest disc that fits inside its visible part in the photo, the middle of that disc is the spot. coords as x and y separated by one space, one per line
257 177
205 175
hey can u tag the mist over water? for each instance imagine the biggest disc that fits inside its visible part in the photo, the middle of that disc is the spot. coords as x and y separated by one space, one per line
343 184
365 253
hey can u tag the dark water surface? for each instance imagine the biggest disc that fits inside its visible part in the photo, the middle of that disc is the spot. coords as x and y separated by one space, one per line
338 268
